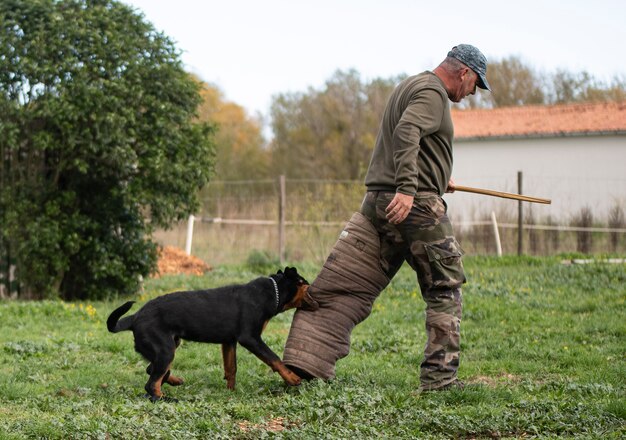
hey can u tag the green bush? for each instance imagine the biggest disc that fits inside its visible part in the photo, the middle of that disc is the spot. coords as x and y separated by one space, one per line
98 144
262 261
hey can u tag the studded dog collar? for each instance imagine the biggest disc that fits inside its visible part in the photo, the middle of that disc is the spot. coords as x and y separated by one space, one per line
275 290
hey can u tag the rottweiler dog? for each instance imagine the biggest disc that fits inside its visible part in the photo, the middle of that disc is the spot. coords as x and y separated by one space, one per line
225 315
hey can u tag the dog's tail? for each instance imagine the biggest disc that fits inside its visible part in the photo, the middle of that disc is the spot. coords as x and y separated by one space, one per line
125 324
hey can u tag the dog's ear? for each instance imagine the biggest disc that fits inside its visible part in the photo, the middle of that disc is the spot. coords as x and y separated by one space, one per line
293 274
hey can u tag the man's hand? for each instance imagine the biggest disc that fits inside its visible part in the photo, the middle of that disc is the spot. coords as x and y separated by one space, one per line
399 208
451 186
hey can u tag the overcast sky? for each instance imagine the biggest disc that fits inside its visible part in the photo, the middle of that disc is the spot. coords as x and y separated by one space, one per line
254 49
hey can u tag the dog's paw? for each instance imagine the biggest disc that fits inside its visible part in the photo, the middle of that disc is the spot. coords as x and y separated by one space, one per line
293 379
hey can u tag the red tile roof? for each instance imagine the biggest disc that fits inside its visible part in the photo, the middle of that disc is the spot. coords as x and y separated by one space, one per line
541 121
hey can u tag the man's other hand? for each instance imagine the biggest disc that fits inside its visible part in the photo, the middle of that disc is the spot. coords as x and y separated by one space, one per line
451 186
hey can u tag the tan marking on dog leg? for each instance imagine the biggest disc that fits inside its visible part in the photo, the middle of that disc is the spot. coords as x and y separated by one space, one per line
229 356
174 380
170 379
156 390
288 376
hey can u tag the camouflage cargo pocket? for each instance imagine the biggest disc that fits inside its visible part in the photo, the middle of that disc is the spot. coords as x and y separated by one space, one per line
445 264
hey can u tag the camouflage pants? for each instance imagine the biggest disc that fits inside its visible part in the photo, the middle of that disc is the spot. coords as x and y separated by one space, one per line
426 241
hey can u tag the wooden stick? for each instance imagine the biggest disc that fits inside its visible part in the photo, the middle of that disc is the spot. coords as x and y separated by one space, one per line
505 195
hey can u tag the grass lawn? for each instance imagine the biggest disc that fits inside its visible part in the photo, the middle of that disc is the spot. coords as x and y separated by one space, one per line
543 349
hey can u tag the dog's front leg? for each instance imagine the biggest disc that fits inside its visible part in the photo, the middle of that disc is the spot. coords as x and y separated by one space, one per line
229 356
257 347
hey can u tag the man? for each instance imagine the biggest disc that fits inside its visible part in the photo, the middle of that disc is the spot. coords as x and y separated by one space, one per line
409 171
403 218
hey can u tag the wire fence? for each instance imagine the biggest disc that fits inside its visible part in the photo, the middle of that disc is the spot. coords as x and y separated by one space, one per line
296 220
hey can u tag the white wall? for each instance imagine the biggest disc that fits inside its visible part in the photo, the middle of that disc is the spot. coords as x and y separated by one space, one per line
571 171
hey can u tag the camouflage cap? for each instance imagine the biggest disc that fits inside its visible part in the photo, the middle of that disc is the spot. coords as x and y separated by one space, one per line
474 59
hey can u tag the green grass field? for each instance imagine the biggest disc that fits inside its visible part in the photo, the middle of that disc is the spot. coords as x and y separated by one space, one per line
543 350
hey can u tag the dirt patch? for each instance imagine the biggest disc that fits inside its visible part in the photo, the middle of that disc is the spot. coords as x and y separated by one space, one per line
273 425
493 381
173 260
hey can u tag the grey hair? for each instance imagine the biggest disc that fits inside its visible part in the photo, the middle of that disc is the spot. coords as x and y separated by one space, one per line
452 65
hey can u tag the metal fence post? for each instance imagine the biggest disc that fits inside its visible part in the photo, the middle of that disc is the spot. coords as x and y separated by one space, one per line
281 218
520 217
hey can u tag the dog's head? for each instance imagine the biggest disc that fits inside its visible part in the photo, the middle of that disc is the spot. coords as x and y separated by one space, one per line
297 289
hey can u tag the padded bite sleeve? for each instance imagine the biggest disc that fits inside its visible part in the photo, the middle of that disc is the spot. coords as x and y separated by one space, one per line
349 282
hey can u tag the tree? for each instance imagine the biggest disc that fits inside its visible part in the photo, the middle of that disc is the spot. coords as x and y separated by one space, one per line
240 147
98 144
567 87
328 133
512 83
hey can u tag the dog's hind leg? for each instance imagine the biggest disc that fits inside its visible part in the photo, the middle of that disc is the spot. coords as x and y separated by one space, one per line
159 370
229 356
170 378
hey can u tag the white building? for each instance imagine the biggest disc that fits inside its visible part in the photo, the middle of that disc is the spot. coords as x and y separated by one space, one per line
573 154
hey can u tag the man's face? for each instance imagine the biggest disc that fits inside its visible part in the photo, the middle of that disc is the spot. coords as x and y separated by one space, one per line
466 85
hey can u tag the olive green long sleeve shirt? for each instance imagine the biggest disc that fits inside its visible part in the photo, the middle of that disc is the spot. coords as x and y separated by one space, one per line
413 149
